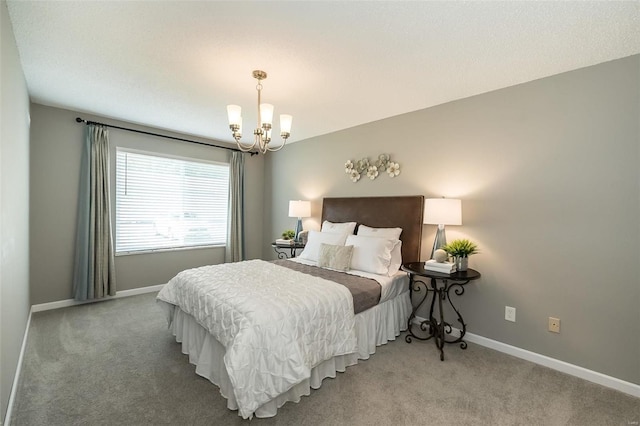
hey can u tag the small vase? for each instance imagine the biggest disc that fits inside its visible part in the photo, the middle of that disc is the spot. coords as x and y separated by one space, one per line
462 263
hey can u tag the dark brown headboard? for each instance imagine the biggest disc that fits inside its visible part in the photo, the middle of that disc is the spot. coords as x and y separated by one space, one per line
382 212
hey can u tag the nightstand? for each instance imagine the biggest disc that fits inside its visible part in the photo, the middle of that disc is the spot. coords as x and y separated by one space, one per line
286 251
438 285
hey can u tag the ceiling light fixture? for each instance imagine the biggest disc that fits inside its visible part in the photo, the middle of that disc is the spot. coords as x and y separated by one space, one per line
262 132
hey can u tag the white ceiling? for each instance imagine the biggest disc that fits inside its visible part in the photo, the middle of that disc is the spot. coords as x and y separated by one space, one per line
332 65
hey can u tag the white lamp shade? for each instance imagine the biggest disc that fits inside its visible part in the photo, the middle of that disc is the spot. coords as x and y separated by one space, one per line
442 211
235 114
299 208
285 123
266 113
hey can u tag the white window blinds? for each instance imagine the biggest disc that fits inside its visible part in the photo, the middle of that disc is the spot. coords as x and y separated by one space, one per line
169 203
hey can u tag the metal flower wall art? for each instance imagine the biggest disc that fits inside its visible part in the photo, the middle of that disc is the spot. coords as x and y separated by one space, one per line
371 169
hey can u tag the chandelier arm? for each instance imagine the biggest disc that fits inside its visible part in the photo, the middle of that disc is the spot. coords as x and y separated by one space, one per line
258 142
278 148
244 147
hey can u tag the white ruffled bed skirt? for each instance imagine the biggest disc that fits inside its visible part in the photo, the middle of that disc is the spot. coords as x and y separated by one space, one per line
374 327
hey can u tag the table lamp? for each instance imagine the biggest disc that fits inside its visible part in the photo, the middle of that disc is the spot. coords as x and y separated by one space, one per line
299 209
441 212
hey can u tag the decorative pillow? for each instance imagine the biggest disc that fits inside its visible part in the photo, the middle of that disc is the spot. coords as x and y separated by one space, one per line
335 257
346 228
367 231
312 249
371 254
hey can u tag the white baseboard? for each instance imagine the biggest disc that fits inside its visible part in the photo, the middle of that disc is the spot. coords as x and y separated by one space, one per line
555 364
16 377
71 302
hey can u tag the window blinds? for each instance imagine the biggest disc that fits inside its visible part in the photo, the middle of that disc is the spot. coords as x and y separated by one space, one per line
169 203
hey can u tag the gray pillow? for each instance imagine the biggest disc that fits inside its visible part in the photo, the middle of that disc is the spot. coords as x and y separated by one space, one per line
335 257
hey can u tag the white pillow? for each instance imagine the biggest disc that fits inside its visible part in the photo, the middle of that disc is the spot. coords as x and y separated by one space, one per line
367 231
312 249
396 259
371 254
391 233
346 228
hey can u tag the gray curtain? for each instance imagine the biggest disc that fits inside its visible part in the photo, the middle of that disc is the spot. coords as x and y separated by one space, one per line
94 270
235 234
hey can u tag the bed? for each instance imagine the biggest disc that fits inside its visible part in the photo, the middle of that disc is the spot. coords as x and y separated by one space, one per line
253 332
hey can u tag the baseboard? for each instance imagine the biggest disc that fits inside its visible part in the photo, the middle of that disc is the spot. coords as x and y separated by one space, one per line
71 302
555 364
16 377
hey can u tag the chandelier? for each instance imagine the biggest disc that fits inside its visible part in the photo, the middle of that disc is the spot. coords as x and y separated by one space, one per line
262 133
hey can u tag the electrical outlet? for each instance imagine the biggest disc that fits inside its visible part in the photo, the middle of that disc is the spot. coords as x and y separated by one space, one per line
554 325
510 313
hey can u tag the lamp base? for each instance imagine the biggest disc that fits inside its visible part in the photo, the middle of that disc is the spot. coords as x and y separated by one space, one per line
298 230
440 240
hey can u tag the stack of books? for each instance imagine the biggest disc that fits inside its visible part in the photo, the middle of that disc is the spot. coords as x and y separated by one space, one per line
442 267
282 242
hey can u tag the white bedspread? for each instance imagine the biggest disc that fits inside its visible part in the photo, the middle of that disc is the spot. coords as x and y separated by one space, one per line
275 323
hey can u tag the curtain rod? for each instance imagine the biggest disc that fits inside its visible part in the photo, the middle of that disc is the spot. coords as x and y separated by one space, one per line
81 120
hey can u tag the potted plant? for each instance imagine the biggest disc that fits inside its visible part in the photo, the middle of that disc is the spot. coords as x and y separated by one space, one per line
289 234
460 250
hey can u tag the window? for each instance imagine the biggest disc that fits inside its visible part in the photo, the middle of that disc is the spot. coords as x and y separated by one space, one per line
168 203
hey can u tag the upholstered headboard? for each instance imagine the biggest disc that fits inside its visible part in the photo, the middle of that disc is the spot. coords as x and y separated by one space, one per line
382 212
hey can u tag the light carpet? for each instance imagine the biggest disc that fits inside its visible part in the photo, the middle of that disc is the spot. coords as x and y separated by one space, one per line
116 363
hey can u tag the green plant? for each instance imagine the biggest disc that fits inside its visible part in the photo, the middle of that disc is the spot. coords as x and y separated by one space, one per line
289 234
461 248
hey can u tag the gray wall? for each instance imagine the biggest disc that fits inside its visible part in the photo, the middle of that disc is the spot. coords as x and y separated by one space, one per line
56 141
548 175
14 208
